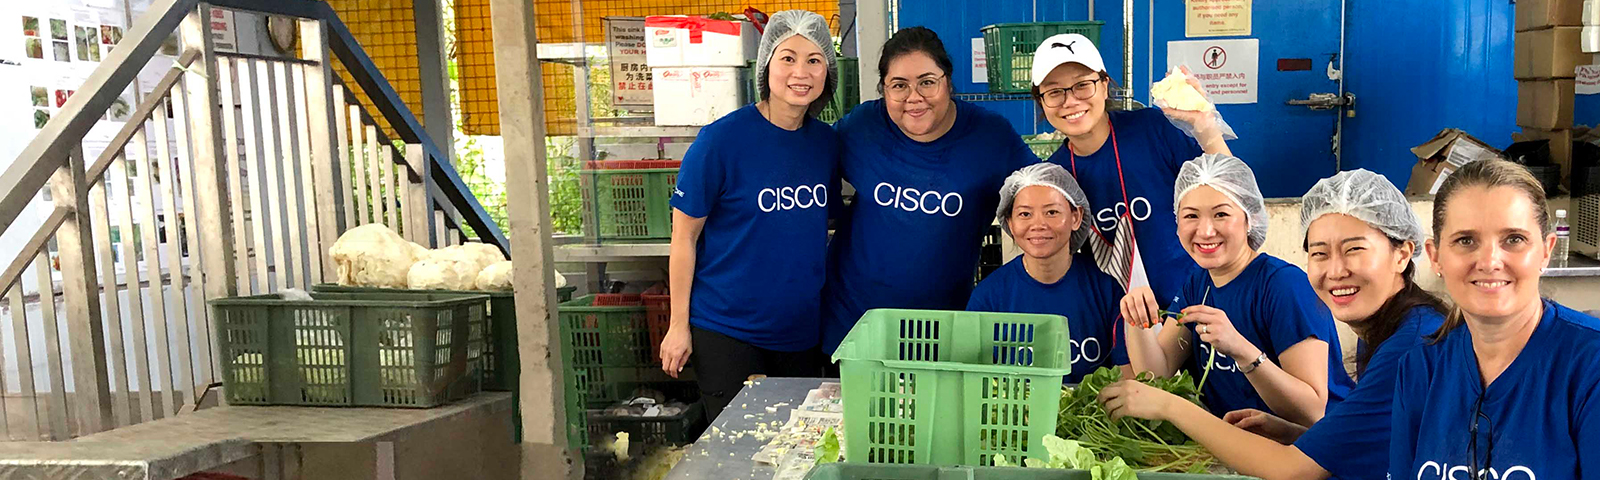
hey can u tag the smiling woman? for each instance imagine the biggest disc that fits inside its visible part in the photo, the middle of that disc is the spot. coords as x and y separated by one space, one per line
1250 316
740 214
1513 378
1043 210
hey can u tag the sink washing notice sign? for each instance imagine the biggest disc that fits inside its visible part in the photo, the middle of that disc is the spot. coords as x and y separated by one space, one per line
631 82
1216 18
1227 68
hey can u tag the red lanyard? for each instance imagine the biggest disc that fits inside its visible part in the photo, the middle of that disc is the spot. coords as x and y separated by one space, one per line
1117 153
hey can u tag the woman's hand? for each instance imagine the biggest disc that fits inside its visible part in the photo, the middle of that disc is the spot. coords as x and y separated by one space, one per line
675 349
1217 330
1139 308
1130 398
1265 424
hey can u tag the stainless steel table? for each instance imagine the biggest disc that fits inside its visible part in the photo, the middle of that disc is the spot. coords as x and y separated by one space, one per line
727 456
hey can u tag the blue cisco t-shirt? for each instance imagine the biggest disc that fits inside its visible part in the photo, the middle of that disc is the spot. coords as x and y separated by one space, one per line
760 261
910 239
1540 419
1272 305
1089 299
1352 440
1152 151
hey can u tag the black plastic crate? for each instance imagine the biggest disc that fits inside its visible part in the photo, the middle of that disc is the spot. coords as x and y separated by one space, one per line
679 429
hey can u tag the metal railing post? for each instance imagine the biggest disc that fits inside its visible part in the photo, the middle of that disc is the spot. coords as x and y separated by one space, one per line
85 326
201 88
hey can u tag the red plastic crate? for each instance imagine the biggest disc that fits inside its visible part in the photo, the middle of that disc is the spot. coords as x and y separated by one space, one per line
617 300
658 315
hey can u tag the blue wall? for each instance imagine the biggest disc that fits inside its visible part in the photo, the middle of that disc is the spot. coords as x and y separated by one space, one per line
1416 66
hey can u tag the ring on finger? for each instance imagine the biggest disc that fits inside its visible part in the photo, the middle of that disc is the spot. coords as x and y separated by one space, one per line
1204 329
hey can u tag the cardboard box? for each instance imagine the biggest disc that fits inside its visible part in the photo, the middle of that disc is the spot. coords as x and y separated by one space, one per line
1443 154
1536 14
1560 146
695 96
1545 103
1553 52
684 41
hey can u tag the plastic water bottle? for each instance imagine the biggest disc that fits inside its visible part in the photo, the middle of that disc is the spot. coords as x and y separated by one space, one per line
1558 258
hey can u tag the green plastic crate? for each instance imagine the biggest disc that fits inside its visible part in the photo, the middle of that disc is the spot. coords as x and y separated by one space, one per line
604 346
951 388
1009 48
366 349
862 471
848 93
500 364
631 204
1043 147
845 96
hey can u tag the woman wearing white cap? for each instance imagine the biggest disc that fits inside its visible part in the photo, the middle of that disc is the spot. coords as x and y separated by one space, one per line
1361 239
1045 212
1126 161
752 198
927 169
1249 325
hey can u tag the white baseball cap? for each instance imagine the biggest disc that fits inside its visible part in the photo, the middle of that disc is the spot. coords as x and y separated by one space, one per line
1062 49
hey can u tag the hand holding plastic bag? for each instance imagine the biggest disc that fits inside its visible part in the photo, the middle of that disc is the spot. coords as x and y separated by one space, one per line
1178 105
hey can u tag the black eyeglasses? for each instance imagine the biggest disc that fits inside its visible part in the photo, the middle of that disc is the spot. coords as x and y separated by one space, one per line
1472 443
1056 97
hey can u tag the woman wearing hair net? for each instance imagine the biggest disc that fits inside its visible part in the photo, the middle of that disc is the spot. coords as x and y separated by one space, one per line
926 167
1361 240
752 198
1127 162
1250 323
1044 211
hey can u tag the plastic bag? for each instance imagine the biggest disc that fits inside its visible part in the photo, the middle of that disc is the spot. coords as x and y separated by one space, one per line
1165 102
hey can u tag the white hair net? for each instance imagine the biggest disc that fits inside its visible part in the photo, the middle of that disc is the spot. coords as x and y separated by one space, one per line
1049 175
1368 197
788 23
1229 175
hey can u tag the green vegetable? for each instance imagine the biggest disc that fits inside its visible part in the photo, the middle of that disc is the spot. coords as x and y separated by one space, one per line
1146 445
827 451
722 16
1071 454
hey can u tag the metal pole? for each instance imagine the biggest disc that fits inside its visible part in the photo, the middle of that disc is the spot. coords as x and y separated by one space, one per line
1127 54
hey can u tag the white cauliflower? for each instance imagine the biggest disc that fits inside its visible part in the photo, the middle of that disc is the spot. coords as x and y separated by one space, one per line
1175 92
496 277
442 274
478 255
372 255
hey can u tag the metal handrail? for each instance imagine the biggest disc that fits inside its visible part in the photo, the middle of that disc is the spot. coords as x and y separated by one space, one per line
48 150
388 102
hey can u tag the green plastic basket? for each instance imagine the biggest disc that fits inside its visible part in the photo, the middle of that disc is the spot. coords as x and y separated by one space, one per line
603 347
1009 48
845 96
862 471
951 388
630 204
366 349
500 365
1043 147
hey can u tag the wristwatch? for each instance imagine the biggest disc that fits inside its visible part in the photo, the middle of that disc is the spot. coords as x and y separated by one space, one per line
1252 366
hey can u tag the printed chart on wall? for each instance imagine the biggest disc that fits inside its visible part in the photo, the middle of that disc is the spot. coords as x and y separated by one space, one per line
1216 18
1227 68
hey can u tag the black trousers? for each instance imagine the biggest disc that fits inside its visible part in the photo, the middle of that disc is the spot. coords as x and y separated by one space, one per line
723 363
